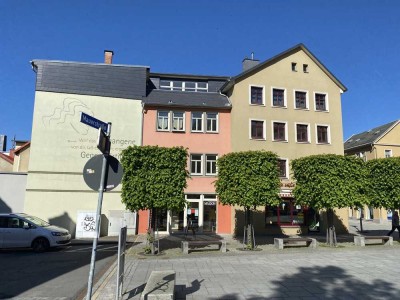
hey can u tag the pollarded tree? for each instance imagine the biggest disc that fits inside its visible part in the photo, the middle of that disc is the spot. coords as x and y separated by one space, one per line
330 181
154 178
248 179
384 182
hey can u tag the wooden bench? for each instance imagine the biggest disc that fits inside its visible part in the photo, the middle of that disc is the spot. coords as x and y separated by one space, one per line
280 243
381 239
202 245
160 285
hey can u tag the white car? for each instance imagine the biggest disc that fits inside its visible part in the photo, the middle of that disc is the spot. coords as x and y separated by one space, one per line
22 230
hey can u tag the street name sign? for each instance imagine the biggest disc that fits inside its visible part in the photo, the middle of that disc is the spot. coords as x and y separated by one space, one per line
93 122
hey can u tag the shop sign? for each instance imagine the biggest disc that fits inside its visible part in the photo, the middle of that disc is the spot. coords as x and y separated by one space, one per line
211 203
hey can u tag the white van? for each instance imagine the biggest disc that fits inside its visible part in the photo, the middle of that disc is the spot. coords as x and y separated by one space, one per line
22 230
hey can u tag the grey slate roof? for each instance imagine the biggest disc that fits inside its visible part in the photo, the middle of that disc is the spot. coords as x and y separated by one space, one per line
105 80
186 99
367 137
276 58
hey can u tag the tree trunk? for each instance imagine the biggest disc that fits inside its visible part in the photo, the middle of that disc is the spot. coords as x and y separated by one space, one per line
361 217
330 234
248 241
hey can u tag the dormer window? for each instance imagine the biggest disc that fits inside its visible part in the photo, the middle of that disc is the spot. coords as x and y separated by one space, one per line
294 67
305 68
185 86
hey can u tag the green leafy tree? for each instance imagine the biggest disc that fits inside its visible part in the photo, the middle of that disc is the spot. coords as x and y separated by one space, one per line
248 179
384 182
154 178
330 181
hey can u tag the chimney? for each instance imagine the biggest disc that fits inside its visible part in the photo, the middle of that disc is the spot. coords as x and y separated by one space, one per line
248 63
108 56
3 143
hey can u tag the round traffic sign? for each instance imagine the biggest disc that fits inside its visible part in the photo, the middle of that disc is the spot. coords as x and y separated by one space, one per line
92 172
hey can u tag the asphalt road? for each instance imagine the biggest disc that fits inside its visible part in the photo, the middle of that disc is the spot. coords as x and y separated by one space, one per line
57 274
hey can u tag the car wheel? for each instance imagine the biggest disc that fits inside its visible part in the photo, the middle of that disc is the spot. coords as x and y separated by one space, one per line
40 244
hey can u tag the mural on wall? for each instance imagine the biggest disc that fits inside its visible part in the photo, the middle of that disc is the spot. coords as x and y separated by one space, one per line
69 113
82 139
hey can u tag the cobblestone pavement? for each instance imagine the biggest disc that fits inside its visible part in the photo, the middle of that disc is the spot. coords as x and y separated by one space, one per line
344 272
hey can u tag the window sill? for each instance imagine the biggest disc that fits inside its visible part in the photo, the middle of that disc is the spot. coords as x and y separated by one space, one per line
257 140
301 108
255 104
324 144
280 141
285 107
304 143
322 111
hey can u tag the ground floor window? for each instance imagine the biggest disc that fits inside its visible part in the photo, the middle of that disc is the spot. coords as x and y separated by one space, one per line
286 213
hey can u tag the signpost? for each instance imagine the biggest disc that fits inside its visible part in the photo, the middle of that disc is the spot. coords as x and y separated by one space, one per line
103 143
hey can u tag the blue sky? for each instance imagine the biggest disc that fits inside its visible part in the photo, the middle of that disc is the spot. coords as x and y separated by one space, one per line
358 41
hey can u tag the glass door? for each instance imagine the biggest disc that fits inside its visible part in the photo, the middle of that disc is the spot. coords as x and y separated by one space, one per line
210 216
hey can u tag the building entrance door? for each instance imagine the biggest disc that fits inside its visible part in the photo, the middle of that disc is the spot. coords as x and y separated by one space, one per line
200 212
209 215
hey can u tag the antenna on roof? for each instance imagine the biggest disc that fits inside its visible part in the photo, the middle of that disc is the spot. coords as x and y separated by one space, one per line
13 142
252 55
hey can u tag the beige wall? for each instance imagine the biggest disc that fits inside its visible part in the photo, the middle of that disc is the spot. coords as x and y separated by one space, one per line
61 146
281 76
5 166
390 141
21 160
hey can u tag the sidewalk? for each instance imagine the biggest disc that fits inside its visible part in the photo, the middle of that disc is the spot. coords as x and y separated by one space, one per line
345 272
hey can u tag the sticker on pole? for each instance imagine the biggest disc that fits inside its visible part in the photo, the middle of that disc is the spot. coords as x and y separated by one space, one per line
92 173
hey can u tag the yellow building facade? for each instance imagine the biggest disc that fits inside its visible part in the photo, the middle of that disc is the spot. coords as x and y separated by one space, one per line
290 105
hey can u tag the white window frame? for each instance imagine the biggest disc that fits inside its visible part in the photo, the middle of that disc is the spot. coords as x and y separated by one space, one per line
201 172
284 96
308 132
216 122
200 89
264 130
168 120
294 66
263 94
212 161
166 87
286 167
390 153
307 99
202 121
173 120
328 132
286 131
326 102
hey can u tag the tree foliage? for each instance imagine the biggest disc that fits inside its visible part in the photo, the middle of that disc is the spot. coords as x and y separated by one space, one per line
330 181
248 178
384 182
154 177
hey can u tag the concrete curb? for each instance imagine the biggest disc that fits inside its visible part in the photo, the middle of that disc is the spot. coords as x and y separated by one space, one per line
104 280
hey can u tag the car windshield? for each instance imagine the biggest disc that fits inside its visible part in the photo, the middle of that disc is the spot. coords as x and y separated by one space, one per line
37 221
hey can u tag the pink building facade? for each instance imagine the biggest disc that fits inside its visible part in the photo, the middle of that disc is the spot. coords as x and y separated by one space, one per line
199 120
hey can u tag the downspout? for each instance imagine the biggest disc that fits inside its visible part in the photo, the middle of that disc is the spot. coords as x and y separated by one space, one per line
141 133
